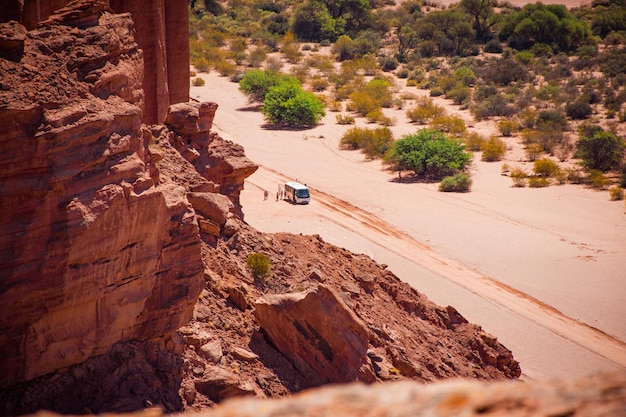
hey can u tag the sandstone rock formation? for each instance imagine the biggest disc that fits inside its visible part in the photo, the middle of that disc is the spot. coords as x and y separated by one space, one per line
86 230
601 395
595 396
318 333
161 30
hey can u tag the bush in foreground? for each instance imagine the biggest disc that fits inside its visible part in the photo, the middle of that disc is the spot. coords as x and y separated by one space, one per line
458 183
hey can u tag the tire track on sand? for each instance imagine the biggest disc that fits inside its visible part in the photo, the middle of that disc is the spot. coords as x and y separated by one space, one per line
385 235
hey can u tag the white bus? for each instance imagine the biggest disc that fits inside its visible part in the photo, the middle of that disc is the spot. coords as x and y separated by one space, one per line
297 193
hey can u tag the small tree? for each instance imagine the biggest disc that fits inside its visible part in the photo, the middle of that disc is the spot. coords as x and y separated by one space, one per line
599 149
429 153
288 104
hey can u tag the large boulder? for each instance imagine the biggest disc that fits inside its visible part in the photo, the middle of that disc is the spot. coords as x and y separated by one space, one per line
321 336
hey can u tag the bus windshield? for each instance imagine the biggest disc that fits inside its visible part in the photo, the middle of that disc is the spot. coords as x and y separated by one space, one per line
302 193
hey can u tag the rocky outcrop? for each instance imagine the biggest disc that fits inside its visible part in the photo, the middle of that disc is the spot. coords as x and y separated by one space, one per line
95 248
219 161
319 334
596 396
601 395
161 31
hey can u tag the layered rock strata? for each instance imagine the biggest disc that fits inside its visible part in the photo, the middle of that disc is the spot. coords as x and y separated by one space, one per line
161 30
95 247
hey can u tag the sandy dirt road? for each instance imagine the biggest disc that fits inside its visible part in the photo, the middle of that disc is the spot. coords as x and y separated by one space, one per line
542 269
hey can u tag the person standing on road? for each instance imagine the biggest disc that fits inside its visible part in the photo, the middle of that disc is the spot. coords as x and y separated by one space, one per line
265 195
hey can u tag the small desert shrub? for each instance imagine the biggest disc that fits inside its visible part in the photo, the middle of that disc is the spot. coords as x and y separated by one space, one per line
458 183
459 94
436 92
574 175
258 263
596 179
616 193
319 84
519 176
545 167
344 119
473 141
292 53
192 74
198 82
494 46
455 125
225 68
578 110
425 111
493 149
538 182
374 143
533 151
273 63
388 63
335 105
508 127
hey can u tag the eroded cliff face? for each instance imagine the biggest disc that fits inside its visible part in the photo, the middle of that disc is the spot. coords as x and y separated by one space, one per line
95 247
161 30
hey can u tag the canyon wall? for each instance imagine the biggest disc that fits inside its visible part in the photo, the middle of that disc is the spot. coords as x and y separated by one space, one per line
161 30
95 247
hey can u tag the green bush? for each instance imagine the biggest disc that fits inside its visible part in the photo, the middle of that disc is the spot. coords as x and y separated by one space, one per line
429 153
578 110
458 183
493 149
256 83
494 46
258 263
288 104
599 149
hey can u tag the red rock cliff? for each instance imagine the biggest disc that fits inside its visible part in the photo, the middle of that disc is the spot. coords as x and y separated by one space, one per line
161 31
94 248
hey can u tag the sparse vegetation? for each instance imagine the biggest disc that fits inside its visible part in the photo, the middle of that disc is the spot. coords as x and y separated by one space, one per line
258 263
458 183
434 50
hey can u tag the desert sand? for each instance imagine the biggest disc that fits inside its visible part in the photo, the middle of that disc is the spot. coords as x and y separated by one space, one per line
542 269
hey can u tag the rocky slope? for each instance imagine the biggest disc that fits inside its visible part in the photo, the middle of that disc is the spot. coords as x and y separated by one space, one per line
114 234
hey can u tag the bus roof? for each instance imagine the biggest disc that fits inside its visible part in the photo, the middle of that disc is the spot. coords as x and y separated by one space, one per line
297 185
